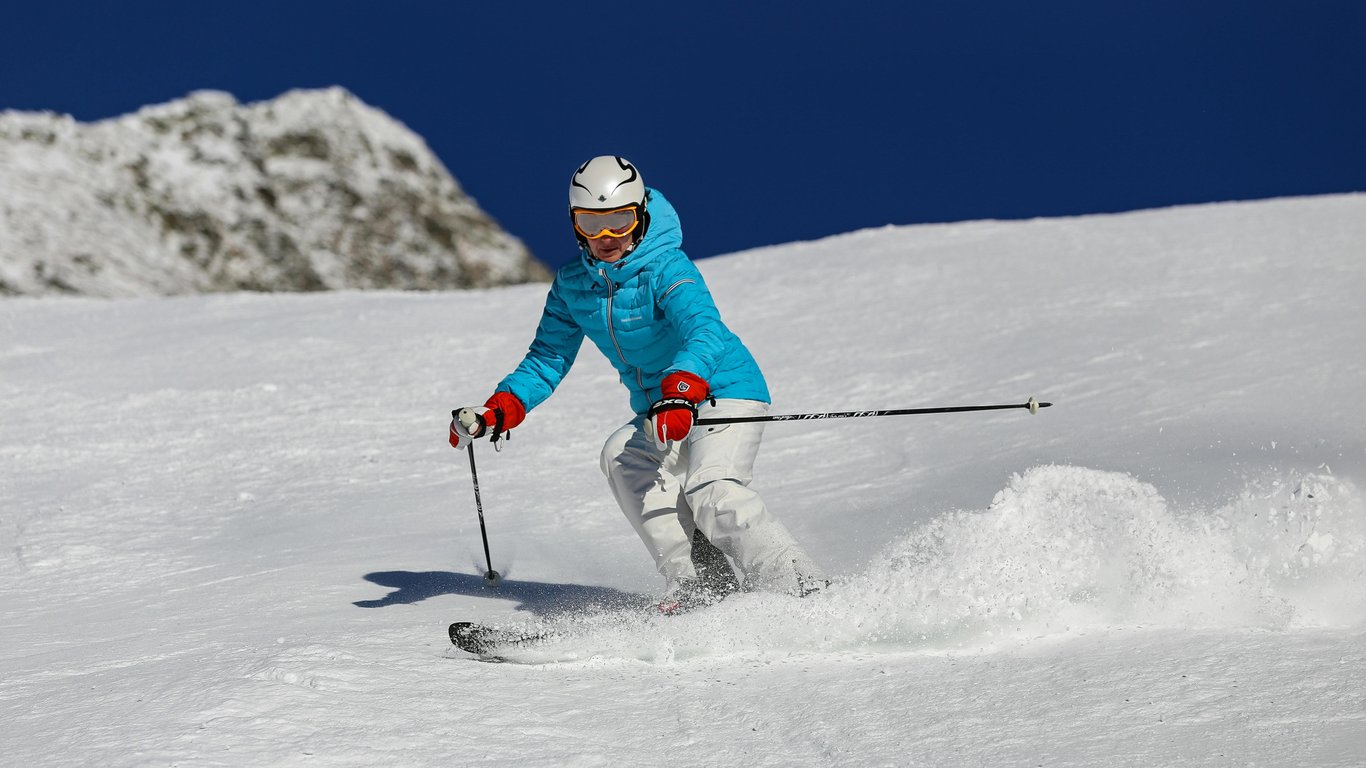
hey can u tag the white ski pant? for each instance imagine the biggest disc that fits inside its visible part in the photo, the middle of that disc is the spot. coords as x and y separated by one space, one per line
703 482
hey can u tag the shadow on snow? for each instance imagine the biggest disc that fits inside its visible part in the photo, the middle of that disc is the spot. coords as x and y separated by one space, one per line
541 598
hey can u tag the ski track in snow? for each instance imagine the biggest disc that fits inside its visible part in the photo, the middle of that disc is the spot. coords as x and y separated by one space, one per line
231 533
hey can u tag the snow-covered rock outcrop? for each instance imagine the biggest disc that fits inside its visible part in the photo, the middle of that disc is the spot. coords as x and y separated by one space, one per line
313 190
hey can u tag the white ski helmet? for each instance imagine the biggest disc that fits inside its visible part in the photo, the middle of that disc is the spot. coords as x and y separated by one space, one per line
605 183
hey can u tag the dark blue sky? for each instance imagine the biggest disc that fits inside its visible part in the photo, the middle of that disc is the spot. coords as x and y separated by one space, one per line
765 121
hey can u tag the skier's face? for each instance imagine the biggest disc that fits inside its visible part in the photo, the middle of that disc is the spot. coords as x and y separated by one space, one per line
609 249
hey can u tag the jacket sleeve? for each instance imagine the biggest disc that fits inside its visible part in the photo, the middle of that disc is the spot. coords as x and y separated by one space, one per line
551 355
687 304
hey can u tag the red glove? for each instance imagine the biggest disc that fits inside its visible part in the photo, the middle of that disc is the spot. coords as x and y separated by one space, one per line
502 412
671 418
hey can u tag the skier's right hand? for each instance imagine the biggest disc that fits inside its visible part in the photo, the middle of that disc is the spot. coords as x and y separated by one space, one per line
501 412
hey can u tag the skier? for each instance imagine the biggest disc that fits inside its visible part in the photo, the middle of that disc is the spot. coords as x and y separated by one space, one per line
644 304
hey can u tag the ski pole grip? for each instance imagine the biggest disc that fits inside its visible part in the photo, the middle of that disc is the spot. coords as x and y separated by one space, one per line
470 421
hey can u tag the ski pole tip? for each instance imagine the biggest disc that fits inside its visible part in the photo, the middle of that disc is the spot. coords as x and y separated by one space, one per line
1034 405
492 579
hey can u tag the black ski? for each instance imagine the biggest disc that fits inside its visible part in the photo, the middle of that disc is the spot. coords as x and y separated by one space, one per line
487 641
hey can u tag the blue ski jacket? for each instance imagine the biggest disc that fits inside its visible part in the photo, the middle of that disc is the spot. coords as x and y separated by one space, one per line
649 313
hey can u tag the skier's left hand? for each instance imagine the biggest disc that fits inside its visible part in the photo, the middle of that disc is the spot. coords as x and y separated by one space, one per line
671 417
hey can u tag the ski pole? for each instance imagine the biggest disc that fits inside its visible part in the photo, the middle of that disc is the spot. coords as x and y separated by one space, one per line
491 576
1032 406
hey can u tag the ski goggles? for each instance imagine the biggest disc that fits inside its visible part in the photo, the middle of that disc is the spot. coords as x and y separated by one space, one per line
617 222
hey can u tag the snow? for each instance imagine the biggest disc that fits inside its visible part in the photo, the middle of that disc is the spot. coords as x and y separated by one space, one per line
233 533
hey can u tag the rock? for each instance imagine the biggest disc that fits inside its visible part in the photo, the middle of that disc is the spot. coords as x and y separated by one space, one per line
311 191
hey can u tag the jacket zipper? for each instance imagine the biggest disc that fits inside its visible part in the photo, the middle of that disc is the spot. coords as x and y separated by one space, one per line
612 331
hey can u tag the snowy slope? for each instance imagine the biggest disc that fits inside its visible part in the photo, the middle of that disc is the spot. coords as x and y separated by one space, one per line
233 533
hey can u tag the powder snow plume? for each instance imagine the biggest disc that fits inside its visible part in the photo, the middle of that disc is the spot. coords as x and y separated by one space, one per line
1065 547
1061 549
